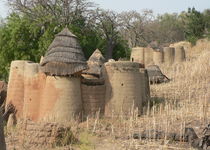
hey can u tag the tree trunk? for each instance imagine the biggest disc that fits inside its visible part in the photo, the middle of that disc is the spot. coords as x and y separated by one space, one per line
109 50
2 139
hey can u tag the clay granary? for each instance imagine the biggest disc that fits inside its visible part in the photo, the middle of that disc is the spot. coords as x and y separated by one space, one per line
167 55
64 86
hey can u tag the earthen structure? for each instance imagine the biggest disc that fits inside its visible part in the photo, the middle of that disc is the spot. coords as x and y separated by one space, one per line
63 86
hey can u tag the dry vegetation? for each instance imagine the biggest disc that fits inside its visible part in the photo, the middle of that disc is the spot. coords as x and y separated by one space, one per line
183 102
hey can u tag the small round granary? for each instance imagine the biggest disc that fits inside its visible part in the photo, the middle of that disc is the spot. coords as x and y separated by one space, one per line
93 87
61 99
137 55
169 53
123 85
179 54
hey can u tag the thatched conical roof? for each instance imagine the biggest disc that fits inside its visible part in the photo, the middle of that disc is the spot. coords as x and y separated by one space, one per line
64 56
95 63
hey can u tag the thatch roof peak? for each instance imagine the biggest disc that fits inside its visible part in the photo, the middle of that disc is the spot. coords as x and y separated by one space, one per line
66 32
64 56
95 63
97 57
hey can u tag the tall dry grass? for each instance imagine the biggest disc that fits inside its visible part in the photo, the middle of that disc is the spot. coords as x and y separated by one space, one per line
183 102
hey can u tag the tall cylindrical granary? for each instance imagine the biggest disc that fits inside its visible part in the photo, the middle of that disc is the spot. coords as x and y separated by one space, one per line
93 86
157 57
61 99
32 91
148 56
179 54
63 64
15 93
169 53
123 85
137 55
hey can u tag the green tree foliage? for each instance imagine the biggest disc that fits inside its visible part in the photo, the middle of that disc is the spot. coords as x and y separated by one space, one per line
194 25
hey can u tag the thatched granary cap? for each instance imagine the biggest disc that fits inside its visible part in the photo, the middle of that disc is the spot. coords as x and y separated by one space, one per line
64 56
95 63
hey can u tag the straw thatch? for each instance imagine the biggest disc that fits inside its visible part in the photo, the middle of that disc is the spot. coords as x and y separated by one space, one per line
64 55
95 63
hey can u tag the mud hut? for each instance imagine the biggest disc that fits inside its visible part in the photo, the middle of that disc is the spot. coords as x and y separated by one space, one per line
93 87
179 54
137 55
15 93
169 54
123 83
63 63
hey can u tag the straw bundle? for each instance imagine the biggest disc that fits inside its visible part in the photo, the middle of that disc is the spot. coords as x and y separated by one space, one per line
137 55
64 55
169 53
95 63
123 83
179 54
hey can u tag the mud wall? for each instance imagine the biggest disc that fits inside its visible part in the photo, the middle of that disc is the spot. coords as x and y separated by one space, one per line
61 99
93 97
123 85
15 93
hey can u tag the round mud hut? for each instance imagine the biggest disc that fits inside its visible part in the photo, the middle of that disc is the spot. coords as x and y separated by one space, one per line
63 63
137 55
179 54
169 54
15 93
93 87
123 86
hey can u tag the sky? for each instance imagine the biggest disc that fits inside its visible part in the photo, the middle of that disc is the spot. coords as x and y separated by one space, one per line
158 6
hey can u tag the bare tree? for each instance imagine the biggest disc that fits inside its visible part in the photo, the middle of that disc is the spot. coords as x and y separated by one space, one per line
107 24
135 27
62 11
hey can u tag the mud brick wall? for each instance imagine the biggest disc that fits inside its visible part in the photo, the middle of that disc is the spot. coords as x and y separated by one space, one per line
43 134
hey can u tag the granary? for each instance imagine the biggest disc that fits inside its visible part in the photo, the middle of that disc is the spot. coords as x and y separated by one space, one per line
149 56
63 63
93 85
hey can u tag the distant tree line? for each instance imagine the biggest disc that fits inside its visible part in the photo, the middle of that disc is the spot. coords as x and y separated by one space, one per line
28 31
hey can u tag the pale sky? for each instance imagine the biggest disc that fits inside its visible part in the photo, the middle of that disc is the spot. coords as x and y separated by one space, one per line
158 6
